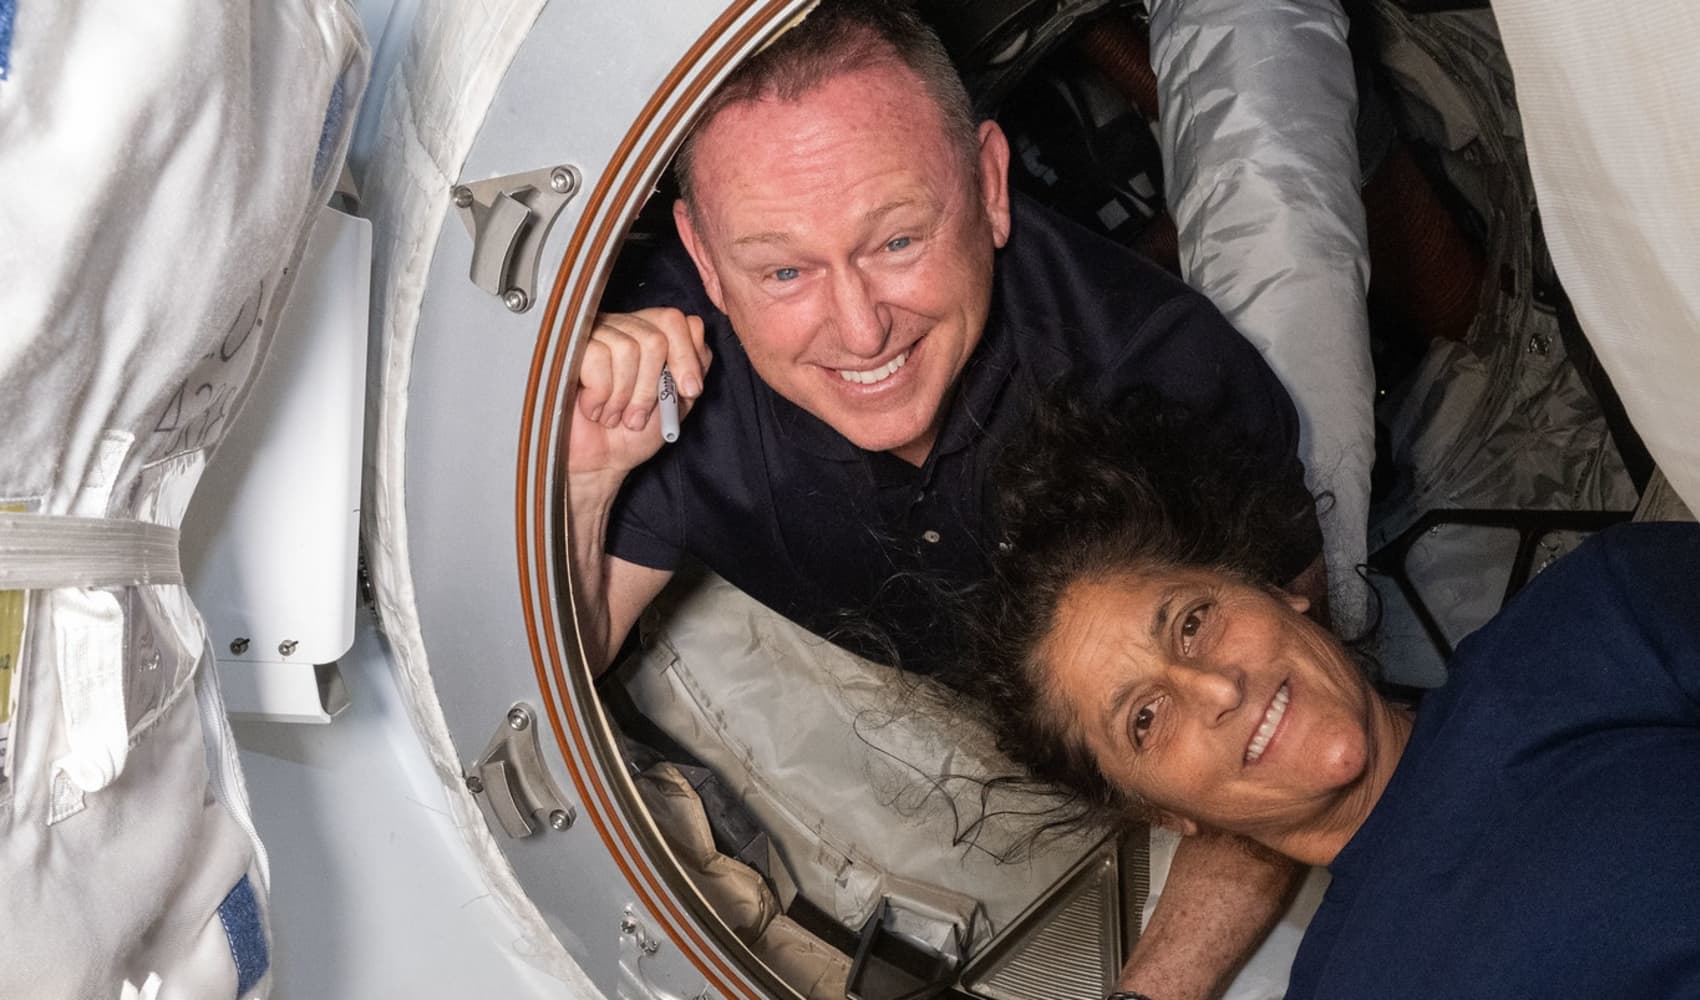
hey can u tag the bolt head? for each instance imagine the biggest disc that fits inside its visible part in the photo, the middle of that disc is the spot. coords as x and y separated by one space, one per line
287 647
628 925
519 719
463 196
239 645
562 180
516 300
560 819
474 784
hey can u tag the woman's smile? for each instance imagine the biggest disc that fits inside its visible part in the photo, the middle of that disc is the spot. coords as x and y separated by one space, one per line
1270 724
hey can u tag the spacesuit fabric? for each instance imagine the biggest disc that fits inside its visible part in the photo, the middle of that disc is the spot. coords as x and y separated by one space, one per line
162 163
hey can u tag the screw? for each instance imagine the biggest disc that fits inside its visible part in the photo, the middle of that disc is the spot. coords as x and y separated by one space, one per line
239 645
463 196
474 784
628 924
287 647
560 819
518 719
516 300
563 180
649 946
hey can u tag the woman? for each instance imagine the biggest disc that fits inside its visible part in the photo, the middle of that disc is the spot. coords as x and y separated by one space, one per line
1532 830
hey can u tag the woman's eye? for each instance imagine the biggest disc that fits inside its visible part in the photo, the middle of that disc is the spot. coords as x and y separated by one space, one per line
785 274
1142 722
898 244
1191 624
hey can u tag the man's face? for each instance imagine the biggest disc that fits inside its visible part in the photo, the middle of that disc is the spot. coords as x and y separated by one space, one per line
1217 702
850 241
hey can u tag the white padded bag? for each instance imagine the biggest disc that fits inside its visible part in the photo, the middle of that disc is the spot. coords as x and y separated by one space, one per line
1608 95
1260 152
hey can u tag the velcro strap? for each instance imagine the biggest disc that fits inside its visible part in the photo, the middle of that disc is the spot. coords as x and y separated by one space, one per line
47 551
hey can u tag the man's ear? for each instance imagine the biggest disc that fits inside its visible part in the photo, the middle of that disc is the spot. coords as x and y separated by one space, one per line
1297 602
1170 821
994 179
698 250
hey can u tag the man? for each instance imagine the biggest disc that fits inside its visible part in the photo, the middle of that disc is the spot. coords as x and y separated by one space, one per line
844 224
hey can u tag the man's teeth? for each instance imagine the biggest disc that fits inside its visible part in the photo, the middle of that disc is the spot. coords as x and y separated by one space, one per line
874 375
1271 719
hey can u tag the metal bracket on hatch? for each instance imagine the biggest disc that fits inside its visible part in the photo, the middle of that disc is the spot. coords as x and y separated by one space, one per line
508 219
512 780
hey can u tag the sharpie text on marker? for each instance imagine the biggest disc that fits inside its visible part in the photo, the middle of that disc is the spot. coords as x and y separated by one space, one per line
667 398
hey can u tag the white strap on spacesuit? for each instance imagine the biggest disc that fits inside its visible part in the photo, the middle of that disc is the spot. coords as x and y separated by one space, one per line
45 551
80 557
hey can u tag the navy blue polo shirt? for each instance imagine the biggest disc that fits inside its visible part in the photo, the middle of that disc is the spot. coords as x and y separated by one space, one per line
847 542
1541 835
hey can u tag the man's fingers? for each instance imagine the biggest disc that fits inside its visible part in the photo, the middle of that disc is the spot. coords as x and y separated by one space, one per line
630 350
705 355
684 360
648 384
595 376
624 355
642 347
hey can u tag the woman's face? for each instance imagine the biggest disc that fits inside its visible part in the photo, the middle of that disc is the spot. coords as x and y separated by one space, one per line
1216 702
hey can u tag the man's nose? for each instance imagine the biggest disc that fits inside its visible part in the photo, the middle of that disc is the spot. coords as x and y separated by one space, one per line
862 321
1216 690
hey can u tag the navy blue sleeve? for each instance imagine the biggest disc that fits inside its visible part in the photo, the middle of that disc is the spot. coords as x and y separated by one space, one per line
646 526
1621 615
1210 368
1119 323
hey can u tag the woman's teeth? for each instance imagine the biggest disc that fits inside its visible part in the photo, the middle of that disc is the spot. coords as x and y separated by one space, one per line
874 375
1271 719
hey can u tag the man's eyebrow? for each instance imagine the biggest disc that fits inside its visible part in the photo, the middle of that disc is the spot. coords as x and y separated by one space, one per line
770 238
774 237
890 207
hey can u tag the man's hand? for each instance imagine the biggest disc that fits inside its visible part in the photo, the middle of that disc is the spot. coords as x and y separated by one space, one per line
615 424
615 429
1219 903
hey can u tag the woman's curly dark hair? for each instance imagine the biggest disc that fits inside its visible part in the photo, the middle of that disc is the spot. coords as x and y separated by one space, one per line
1088 494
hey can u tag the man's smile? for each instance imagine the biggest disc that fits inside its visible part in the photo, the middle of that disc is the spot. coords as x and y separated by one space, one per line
881 377
873 376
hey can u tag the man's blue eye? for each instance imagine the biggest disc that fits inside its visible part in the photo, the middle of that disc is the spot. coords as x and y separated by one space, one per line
785 274
899 243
